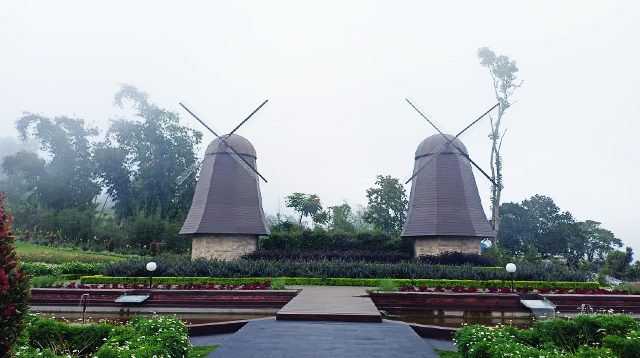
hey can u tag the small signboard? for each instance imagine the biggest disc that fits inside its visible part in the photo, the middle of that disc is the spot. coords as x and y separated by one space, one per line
132 298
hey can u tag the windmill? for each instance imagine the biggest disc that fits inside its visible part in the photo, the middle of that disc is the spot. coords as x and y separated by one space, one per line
226 216
445 210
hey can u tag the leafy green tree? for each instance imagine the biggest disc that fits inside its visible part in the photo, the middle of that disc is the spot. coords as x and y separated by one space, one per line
141 158
591 242
341 218
307 205
549 228
514 229
617 263
504 75
388 205
538 224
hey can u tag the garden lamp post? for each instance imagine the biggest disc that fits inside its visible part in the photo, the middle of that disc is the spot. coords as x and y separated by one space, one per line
151 266
511 269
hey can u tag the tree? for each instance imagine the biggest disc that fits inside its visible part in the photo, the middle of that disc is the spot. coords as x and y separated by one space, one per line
307 205
388 205
591 242
141 158
617 263
14 287
504 72
514 229
549 228
538 224
341 218
68 178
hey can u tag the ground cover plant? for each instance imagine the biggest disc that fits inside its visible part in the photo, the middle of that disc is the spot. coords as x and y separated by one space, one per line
331 281
158 336
582 336
28 252
14 287
338 268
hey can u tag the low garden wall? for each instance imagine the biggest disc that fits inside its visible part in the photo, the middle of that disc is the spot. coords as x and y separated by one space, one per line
448 301
165 298
616 303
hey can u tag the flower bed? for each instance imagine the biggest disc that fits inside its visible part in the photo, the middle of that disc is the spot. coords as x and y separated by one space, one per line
265 285
160 336
582 336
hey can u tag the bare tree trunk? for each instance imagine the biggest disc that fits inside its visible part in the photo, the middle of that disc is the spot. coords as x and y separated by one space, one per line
496 169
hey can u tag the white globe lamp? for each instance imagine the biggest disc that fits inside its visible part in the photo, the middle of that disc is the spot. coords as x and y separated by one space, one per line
511 269
151 266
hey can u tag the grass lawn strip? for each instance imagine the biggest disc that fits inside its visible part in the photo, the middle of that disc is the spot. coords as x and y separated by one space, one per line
201 351
55 255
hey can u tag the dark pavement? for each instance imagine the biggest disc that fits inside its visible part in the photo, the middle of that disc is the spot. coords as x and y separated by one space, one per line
284 339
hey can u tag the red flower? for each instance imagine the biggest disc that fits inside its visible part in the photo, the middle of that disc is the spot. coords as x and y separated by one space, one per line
9 310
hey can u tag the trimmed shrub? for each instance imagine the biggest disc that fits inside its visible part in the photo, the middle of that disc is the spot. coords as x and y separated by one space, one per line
329 281
336 268
14 287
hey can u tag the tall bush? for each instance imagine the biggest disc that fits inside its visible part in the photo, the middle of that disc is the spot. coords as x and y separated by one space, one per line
14 287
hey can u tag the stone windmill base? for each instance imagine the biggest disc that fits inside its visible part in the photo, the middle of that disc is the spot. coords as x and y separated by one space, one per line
435 245
222 246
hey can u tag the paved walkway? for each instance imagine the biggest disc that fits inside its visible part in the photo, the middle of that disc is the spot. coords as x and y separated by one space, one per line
292 339
331 303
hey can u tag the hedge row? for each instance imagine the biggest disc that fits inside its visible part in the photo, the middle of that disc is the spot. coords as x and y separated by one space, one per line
318 281
67 268
322 240
339 268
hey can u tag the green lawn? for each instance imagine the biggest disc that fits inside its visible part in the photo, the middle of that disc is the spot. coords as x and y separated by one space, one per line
54 255
201 351
447 354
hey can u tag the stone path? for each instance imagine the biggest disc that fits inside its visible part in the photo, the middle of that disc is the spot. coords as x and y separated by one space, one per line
292 339
331 303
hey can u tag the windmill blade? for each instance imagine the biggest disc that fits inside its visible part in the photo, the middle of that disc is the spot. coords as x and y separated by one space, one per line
187 173
246 119
236 155
449 141
453 144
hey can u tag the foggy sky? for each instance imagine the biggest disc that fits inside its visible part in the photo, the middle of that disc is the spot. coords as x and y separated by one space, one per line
336 74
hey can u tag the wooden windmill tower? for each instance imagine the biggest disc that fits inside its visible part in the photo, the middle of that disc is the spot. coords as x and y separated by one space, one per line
445 211
226 215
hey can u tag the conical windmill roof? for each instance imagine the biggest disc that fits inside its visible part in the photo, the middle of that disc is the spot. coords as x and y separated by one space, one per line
227 198
444 199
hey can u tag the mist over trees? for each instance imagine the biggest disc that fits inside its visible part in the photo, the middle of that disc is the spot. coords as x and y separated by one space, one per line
53 180
137 164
